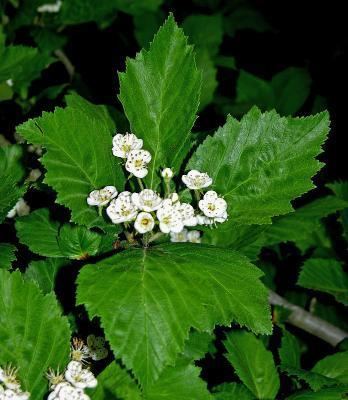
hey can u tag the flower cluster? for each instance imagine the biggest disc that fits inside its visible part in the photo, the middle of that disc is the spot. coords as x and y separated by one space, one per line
147 210
10 387
71 383
21 208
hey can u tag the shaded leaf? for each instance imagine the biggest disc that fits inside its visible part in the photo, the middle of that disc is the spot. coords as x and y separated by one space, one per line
7 255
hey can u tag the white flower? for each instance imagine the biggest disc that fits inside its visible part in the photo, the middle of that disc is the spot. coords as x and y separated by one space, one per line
80 377
79 351
9 394
213 206
8 376
122 209
102 197
180 237
147 200
187 213
194 237
35 148
9 82
167 173
144 222
174 197
34 175
203 220
196 180
123 144
137 162
170 218
65 391
96 347
50 8
21 208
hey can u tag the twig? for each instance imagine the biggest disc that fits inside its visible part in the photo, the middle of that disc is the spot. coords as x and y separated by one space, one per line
63 58
309 322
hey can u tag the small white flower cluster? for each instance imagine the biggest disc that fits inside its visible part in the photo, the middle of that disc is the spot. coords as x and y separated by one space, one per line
21 208
50 8
10 387
70 385
147 209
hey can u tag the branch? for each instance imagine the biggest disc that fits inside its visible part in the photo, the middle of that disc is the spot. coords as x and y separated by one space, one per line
63 58
309 322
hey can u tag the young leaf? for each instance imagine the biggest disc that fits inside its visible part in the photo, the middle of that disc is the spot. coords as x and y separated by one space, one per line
325 275
78 158
7 255
289 352
160 95
44 272
33 333
39 233
11 173
232 391
253 364
262 162
148 299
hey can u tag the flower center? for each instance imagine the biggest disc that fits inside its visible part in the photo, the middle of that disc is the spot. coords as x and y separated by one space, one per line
145 221
211 207
138 163
126 148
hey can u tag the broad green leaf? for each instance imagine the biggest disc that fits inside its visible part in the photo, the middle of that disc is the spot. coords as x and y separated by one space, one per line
209 81
325 275
204 31
78 158
300 226
77 242
262 162
39 233
148 299
253 364
160 95
44 273
7 255
341 190
11 173
179 382
314 380
33 334
232 391
289 352
334 367
324 394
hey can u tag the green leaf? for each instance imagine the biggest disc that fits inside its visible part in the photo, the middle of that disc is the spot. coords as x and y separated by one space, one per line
204 31
324 394
334 367
78 159
33 334
77 242
11 173
290 351
7 255
160 95
232 391
300 226
325 275
179 382
209 81
262 162
341 190
146 25
39 233
253 364
198 345
44 273
148 299
245 18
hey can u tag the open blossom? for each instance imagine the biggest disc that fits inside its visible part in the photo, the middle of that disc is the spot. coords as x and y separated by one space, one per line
167 173
96 347
196 180
194 237
8 376
21 208
9 394
123 144
212 205
65 391
137 162
187 213
79 351
147 200
144 222
170 218
122 209
179 237
80 377
102 197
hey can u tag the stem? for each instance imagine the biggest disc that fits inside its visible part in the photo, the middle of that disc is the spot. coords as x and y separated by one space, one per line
141 184
197 195
63 58
100 211
308 322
